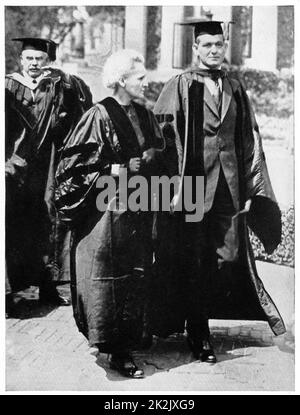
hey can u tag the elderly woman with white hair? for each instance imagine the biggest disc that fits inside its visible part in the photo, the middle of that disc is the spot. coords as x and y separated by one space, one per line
111 250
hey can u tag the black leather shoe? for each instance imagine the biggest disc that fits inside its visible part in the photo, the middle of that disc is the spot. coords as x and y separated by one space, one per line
207 354
202 349
126 367
63 301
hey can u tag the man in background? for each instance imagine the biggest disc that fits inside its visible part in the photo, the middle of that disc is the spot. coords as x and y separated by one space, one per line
42 107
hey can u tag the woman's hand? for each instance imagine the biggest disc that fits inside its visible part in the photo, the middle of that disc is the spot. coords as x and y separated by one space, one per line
134 164
149 155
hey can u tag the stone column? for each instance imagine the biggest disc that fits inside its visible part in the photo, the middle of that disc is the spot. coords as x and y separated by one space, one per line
136 28
78 46
236 41
170 15
264 38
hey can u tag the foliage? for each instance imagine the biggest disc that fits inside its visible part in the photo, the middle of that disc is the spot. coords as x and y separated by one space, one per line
254 79
55 22
32 21
276 129
112 14
284 254
271 94
272 104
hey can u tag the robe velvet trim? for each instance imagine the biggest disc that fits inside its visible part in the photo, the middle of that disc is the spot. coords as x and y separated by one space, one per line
124 130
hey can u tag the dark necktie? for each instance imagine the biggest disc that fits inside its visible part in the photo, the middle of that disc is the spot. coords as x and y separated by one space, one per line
217 95
215 75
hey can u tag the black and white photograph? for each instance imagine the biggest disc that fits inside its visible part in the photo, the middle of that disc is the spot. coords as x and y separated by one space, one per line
149 200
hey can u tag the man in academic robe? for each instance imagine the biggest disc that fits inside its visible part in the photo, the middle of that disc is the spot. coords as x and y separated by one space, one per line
206 269
42 107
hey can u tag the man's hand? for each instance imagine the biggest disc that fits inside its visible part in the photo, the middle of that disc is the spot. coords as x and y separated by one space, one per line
247 206
175 203
134 164
54 71
149 155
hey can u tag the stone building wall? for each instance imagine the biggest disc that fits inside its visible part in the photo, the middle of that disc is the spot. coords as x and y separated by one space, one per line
285 37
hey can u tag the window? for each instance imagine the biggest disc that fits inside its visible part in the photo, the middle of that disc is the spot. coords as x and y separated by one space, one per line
183 37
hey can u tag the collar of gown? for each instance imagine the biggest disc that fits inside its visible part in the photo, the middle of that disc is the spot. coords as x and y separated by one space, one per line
26 80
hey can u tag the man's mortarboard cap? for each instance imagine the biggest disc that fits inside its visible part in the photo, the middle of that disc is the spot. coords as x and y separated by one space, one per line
210 27
35 43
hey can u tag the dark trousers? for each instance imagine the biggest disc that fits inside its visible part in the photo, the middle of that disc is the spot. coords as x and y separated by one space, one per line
209 247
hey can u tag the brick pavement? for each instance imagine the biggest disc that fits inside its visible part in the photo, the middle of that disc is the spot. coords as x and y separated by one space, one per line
45 352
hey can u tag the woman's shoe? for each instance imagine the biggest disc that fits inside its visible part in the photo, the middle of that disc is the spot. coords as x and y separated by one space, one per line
146 340
126 366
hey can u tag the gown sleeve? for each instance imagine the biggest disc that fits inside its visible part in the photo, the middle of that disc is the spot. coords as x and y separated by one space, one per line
84 158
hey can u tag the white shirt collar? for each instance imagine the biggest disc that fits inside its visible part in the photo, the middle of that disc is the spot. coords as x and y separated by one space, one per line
202 66
33 81
211 85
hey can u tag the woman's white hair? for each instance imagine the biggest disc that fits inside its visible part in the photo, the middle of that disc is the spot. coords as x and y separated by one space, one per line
118 65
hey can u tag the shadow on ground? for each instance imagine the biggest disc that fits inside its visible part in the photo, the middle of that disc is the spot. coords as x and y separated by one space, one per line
173 353
26 303
25 309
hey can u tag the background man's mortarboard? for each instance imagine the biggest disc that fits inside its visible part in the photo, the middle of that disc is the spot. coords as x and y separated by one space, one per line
210 27
35 43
